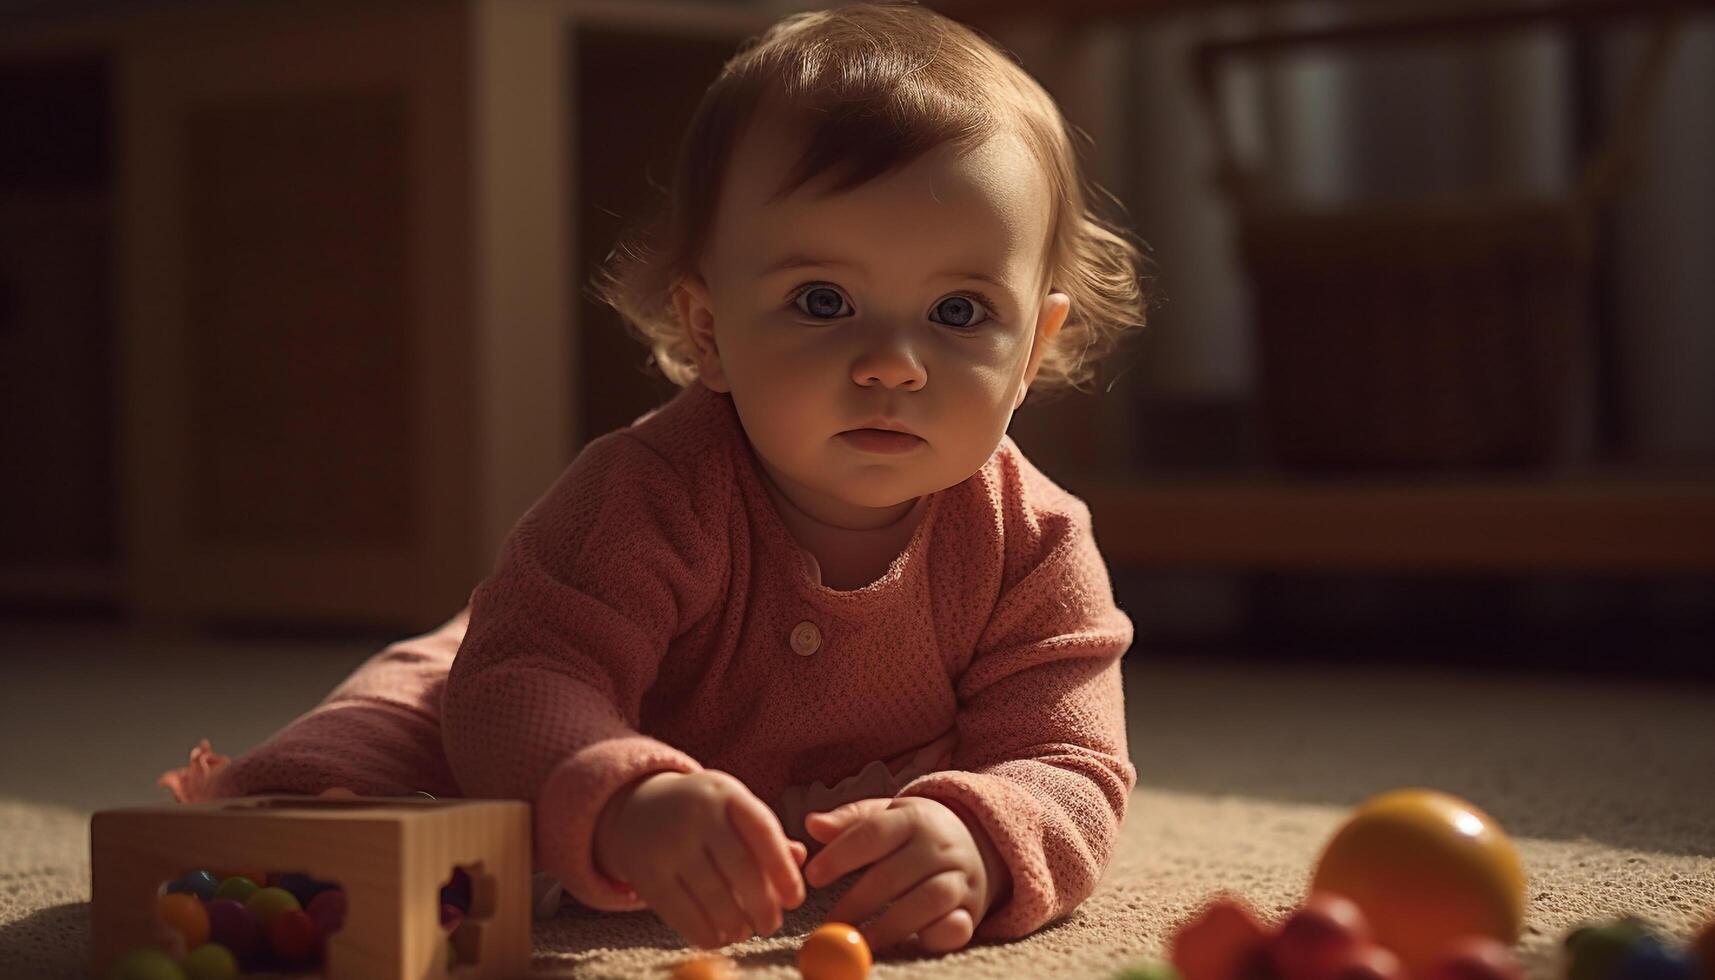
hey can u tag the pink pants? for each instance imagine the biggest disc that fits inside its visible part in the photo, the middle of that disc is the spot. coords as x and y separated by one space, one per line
377 734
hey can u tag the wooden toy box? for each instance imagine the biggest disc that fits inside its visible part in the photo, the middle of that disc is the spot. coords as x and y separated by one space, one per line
390 854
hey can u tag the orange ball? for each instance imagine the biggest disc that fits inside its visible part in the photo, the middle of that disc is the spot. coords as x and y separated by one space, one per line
185 914
835 951
1425 868
705 968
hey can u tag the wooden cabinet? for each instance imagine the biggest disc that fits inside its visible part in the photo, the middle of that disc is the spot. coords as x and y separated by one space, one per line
349 250
58 514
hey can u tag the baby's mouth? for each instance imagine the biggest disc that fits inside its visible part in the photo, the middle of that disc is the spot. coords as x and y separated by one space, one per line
880 440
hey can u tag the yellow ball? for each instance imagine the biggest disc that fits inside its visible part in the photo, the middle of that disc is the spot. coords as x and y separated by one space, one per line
835 951
1426 868
268 904
210 961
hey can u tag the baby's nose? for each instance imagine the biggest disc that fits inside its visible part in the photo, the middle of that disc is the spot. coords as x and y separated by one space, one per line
891 363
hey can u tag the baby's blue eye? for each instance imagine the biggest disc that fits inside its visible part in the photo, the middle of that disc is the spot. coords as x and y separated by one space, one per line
958 310
822 301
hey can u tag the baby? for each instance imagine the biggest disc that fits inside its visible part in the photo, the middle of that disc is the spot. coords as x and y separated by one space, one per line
819 602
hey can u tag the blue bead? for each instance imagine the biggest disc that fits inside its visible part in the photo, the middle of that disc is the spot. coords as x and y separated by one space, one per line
457 891
198 883
1650 960
1596 949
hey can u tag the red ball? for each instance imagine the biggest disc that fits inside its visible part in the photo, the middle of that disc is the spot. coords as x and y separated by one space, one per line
294 937
1703 948
1475 958
1217 942
1257 964
1321 934
1369 962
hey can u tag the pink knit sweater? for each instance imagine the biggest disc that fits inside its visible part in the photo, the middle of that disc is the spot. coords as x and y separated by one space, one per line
652 612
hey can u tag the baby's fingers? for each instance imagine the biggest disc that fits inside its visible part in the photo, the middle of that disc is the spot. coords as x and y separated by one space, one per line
672 901
746 881
717 899
759 829
926 905
951 931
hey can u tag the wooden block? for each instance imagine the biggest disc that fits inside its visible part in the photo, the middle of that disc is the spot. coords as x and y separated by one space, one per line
390 854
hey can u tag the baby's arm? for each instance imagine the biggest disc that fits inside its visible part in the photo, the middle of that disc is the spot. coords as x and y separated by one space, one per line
1041 772
543 700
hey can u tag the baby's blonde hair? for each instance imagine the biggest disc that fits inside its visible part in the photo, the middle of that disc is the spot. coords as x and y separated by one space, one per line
878 85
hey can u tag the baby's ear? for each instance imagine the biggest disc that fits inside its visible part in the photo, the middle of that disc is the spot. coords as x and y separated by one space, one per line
1049 320
690 297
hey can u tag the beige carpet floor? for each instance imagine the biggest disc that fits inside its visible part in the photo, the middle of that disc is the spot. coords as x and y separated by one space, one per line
1608 790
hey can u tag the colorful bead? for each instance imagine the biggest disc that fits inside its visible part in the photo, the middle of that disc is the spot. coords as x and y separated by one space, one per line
256 876
1647 959
145 963
1703 947
198 883
705 968
234 926
1317 935
1426 868
237 887
457 891
270 903
293 936
1368 962
1596 949
186 915
210 961
1213 945
835 951
1476 958
1149 970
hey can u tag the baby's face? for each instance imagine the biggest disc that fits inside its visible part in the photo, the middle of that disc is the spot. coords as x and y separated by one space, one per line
914 298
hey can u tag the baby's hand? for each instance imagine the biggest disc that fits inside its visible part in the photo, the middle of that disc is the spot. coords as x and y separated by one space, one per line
928 865
704 853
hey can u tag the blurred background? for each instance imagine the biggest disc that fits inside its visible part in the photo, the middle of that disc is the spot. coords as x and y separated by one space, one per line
294 321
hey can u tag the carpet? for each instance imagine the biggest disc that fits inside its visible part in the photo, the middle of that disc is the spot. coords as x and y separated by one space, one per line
1607 788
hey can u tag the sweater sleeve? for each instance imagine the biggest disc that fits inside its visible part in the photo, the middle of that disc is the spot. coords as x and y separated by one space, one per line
543 700
1042 764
